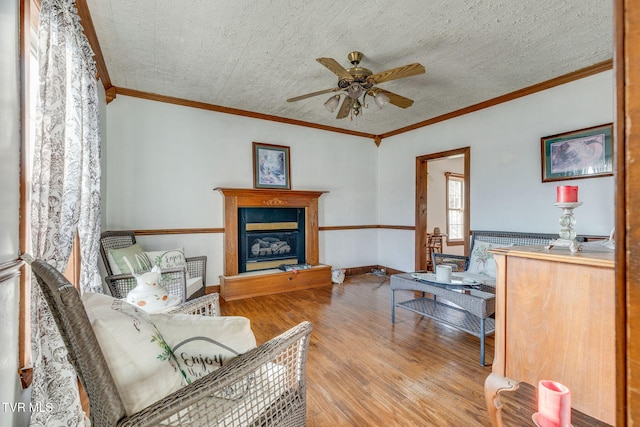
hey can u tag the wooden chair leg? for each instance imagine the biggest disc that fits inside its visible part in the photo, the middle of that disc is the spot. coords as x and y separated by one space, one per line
493 386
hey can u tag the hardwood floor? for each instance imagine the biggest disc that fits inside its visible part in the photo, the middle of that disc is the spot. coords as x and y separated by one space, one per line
364 371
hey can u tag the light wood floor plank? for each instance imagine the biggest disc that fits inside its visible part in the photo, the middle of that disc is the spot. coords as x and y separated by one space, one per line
364 371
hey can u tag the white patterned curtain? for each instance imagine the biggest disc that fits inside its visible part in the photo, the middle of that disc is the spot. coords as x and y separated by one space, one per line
65 198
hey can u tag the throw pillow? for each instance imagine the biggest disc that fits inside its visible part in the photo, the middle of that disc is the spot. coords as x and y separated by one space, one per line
172 258
129 260
481 260
202 344
140 361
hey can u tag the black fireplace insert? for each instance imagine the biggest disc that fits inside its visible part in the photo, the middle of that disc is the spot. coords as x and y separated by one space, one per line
269 237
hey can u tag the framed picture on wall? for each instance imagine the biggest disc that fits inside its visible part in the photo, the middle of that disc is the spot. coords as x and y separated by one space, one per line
271 166
583 153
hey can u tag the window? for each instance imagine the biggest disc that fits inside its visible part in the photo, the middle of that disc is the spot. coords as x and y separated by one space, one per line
29 47
455 208
29 30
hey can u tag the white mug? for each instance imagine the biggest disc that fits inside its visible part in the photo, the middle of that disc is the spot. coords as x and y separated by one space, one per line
443 273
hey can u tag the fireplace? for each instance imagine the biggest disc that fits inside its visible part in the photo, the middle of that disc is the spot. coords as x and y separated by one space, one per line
234 284
270 237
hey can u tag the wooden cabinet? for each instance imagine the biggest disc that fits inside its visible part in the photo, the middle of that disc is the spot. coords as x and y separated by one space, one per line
555 320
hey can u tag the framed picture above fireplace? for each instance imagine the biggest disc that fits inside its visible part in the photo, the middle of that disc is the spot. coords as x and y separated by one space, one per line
271 166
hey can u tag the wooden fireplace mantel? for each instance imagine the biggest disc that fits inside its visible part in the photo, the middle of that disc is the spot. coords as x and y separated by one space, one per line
268 197
235 198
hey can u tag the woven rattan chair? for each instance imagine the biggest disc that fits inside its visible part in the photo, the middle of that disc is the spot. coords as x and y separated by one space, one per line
174 280
461 262
195 404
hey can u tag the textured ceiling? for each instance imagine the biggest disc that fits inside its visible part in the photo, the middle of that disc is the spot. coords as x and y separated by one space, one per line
254 55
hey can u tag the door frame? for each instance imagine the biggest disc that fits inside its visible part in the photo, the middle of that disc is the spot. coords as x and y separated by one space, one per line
422 185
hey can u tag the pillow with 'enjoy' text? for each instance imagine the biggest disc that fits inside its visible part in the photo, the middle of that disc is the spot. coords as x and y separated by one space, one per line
171 258
202 344
140 361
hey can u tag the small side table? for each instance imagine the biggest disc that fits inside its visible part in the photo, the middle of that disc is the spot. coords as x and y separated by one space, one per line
434 244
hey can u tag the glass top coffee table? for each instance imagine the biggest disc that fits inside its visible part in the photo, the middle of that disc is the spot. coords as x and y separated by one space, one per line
472 302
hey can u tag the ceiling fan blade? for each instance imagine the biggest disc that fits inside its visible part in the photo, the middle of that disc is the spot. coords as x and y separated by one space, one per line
309 95
345 108
398 73
335 68
397 100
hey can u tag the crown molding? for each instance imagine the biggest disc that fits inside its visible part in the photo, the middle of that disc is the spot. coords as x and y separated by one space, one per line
567 78
234 111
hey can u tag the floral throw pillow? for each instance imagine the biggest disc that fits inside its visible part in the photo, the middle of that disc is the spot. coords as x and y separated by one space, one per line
481 260
140 361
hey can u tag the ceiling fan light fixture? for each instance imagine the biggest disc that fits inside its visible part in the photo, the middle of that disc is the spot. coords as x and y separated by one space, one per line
332 103
381 99
355 90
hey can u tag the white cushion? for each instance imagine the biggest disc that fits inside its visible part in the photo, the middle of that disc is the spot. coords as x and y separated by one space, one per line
170 258
174 258
193 284
203 344
266 385
480 278
481 260
140 361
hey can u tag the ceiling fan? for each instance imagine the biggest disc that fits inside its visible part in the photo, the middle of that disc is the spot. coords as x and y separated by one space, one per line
357 82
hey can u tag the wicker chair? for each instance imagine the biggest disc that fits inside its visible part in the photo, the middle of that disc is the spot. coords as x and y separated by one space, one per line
461 262
193 405
174 280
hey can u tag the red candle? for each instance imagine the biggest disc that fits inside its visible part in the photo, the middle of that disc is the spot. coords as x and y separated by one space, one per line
554 404
567 194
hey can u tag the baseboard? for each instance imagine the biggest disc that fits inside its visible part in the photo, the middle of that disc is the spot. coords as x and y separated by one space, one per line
353 271
390 270
212 289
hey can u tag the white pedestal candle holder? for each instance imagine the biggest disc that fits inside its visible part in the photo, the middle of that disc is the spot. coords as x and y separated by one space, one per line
567 233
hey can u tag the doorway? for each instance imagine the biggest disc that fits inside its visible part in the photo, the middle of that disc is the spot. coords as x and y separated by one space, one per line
422 201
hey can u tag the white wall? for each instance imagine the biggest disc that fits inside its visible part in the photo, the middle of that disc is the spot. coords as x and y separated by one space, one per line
164 161
506 188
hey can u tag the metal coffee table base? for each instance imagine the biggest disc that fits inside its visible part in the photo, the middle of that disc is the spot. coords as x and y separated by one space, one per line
477 323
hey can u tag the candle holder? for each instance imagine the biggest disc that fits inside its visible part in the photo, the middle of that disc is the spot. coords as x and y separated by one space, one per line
567 233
